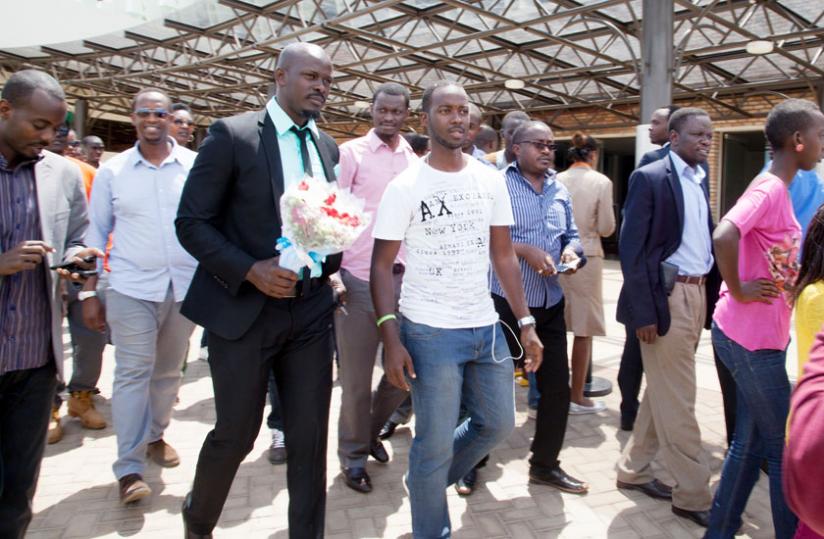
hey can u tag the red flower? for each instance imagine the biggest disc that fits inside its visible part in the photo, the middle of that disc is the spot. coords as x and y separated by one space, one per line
331 199
303 186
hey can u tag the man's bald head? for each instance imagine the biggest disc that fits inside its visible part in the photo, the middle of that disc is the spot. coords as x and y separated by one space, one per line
295 53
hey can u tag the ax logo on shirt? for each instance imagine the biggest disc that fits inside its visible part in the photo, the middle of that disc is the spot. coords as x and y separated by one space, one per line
426 213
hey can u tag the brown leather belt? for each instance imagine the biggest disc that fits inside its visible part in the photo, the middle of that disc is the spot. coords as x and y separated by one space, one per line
692 279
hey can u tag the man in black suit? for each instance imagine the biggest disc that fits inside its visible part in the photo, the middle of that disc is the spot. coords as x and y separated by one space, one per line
668 223
261 317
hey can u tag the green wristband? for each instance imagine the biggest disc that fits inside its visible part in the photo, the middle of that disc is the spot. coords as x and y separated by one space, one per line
386 317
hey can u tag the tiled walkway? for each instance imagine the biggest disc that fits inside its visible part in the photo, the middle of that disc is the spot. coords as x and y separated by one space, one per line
77 493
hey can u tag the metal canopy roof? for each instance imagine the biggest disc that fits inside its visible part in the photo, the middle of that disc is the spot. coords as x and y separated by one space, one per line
219 55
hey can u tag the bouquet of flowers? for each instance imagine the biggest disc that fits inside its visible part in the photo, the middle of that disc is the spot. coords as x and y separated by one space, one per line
318 220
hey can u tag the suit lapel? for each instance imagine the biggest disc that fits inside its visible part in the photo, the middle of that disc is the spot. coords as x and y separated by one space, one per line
677 193
45 197
325 159
271 157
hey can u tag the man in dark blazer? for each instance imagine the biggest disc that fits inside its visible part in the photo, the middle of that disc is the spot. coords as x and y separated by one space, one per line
261 317
668 220
631 370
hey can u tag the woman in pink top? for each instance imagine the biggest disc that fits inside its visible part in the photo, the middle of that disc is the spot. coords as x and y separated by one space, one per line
756 246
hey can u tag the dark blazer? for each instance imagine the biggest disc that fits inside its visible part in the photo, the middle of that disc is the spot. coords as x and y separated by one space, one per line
229 218
654 155
651 233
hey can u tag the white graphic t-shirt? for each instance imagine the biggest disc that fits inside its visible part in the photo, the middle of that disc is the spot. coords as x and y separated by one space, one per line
444 219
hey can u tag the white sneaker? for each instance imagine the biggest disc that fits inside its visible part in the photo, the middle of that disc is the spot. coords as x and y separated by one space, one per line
579 409
531 413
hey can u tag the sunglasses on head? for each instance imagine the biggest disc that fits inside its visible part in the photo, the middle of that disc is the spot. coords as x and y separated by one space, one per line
145 113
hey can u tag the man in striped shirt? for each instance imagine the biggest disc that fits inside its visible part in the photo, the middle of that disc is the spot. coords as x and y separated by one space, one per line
544 236
42 221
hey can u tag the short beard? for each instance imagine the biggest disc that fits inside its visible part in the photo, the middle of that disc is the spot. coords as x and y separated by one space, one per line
310 114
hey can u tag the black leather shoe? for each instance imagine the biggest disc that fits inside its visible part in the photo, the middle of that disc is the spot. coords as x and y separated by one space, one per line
653 489
702 518
187 534
466 484
388 430
378 452
559 479
357 479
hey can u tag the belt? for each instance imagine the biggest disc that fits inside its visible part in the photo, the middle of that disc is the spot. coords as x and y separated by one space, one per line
691 279
398 268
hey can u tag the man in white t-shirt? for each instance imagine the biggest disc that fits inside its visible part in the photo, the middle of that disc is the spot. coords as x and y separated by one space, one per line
453 214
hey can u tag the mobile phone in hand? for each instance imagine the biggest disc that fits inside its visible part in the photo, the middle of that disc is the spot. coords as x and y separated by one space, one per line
73 267
565 267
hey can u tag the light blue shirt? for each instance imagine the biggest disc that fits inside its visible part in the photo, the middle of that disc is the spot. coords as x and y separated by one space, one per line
289 145
543 220
694 255
137 202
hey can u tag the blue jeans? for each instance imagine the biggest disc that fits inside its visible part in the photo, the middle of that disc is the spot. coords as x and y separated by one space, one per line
453 366
763 402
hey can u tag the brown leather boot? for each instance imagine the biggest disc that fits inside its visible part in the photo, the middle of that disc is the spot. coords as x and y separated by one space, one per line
81 405
163 454
55 433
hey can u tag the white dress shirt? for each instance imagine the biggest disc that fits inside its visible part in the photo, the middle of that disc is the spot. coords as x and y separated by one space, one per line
137 202
694 255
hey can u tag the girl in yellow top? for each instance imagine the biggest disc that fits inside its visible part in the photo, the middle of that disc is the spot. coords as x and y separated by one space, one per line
809 303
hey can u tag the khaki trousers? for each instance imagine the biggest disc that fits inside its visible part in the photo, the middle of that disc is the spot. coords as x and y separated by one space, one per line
666 419
362 413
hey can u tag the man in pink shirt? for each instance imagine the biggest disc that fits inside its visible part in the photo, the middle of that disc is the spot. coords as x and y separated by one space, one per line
367 165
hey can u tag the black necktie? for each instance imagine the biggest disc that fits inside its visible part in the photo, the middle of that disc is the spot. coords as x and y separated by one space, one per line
304 149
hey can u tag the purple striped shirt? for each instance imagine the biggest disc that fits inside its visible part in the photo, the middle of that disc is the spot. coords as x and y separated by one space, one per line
25 312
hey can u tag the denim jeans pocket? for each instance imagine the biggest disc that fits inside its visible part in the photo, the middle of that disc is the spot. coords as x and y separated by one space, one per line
414 331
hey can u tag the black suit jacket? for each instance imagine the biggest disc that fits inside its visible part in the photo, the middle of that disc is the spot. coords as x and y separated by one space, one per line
651 233
654 155
229 218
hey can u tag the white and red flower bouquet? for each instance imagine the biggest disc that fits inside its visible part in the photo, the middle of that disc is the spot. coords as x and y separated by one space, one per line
319 219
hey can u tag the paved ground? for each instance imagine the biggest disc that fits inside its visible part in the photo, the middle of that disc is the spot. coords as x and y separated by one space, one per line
77 493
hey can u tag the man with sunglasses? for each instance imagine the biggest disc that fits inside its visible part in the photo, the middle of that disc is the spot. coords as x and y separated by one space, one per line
544 237
136 195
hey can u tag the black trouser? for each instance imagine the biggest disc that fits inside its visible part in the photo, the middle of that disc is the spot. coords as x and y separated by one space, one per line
25 407
293 338
553 380
630 374
632 370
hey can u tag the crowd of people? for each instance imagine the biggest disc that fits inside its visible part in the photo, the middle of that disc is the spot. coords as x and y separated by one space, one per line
477 262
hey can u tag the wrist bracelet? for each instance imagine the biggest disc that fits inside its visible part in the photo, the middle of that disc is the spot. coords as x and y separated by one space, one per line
385 318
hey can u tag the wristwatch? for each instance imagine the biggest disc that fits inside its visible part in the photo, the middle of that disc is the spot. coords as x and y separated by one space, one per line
526 321
86 294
